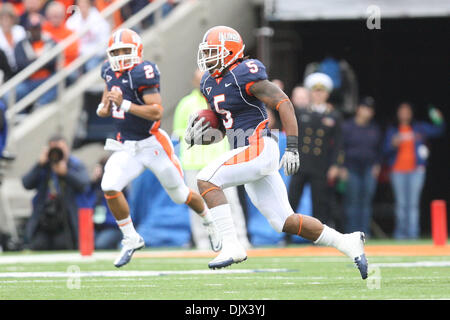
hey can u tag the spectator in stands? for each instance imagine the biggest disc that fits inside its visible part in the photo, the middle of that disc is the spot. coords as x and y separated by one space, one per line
67 4
26 52
5 73
55 27
320 148
300 97
5 69
197 157
134 6
58 178
95 40
116 19
10 33
18 5
362 149
31 7
407 153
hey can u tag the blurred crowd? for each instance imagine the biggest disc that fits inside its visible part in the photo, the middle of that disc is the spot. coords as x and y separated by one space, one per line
343 151
30 28
343 154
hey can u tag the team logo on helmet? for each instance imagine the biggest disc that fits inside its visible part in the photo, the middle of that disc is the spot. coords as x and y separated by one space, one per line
125 49
221 47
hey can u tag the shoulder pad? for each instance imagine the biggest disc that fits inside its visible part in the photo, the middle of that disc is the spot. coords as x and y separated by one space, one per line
250 70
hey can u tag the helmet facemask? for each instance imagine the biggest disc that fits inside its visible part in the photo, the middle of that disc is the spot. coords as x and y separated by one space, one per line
123 61
215 54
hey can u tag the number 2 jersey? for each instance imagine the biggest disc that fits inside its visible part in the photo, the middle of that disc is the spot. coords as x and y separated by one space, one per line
143 78
229 97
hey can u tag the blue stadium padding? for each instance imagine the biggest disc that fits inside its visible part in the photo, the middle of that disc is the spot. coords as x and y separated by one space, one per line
160 221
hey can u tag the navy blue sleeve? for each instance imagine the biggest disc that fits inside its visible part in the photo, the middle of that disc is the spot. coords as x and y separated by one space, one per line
202 84
104 68
77 175
430 130
21 58
146 78
388 148
33 177
249 72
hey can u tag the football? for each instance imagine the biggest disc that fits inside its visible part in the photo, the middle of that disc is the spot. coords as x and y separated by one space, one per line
210 117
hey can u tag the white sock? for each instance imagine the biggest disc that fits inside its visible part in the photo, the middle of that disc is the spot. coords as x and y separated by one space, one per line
206 215
224 222
329 237
127 227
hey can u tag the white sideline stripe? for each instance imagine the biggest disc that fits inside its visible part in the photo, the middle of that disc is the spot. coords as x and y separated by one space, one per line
56 257
122 274
411 264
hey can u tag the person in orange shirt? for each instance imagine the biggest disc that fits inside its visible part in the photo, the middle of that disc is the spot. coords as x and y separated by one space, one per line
55 28
116 19
406 150
26 52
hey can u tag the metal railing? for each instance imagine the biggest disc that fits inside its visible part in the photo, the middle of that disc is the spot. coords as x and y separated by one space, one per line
59 77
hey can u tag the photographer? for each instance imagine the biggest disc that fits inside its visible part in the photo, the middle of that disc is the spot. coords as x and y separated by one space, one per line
59 178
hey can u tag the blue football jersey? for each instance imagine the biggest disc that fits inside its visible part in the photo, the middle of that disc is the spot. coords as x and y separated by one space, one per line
229 97
132 83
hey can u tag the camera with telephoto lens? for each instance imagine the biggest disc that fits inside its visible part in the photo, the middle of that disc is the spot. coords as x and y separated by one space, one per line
55 155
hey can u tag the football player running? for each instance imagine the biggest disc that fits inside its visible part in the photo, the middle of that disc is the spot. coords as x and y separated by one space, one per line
132 98
238 92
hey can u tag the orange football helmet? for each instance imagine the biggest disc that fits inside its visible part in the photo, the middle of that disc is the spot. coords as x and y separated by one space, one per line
221 47
124 39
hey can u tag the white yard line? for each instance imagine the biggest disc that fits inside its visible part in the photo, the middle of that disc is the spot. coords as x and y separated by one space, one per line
56 257
121 274
411 264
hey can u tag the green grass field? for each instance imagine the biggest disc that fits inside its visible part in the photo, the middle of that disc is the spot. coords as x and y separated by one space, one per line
258 278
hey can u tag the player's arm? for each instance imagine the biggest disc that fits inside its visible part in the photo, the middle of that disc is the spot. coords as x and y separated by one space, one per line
151 110
273 97
104 108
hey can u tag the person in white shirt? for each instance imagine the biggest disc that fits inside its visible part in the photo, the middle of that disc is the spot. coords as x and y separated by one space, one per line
96 39
10 33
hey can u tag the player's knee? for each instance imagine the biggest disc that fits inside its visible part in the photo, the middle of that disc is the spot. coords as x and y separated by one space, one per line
277 224
179 195
274 218
109 186
106 187
110 193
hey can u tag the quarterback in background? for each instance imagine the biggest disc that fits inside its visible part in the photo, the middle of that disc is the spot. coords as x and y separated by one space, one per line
132 97
238 91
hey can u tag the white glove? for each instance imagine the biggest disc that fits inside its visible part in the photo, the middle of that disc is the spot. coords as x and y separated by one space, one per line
195 129
290 161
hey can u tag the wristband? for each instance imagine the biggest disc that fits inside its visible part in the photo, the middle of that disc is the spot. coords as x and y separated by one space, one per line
125 106
292 142
100 106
